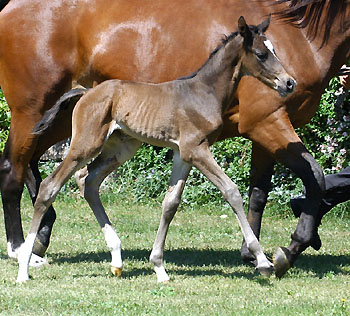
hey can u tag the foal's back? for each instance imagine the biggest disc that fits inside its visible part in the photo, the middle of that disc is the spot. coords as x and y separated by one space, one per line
152 113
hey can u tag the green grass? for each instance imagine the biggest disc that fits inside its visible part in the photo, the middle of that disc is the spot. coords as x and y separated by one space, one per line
202 258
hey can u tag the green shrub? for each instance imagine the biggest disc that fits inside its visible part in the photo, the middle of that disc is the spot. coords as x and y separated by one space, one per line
4 121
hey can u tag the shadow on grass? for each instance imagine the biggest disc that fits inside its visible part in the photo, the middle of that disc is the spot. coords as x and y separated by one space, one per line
323 265
194 262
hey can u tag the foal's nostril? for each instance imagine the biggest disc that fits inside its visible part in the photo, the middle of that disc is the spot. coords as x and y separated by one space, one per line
290 85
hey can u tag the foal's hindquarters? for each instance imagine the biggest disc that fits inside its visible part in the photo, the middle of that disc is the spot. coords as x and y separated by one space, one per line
98 131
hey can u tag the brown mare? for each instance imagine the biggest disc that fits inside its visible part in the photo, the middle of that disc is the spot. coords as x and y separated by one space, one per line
112 120
63 42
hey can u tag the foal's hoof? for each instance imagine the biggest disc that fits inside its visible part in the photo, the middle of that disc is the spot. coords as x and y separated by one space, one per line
266 271
281 262
117 271
247 257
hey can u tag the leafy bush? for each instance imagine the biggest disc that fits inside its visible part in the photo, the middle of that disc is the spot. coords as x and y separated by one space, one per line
327 136
4 121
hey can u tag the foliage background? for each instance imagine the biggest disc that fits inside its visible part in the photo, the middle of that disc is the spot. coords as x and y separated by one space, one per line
5 118
145 177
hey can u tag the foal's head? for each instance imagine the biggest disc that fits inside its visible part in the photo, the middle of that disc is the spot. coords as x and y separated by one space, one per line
259 59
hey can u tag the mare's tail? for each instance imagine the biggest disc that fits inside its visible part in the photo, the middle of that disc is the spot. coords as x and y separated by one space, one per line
65 102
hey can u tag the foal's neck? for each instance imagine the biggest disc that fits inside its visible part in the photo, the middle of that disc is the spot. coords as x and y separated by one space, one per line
222 71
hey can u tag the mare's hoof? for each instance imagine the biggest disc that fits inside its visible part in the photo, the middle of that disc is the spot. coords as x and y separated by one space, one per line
117 271
281 262
39 249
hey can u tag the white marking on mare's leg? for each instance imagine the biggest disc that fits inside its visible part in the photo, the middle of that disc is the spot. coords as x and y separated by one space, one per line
12 254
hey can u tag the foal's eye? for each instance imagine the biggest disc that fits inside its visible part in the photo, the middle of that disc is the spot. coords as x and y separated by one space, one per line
261 56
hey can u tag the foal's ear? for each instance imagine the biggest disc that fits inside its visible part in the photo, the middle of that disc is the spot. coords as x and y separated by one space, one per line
242 26
263 26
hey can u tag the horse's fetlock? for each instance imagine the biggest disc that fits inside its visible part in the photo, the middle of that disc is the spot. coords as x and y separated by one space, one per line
253 246
156 258
258 199
305 239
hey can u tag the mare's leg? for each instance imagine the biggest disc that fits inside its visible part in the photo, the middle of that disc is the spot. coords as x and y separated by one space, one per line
277 135
170 204
26 106
204 161
115 152
11 191
260 183
13 165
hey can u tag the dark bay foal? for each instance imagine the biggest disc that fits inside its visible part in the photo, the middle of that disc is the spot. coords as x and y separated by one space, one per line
112 120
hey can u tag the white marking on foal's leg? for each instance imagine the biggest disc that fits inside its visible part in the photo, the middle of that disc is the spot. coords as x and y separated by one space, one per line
114 245
162 275
24 254
35 260
264 266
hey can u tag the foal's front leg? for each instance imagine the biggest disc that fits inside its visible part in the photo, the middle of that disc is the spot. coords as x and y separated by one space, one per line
170 204
204 161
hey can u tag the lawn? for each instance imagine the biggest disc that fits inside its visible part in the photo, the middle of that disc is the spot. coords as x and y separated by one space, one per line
202 258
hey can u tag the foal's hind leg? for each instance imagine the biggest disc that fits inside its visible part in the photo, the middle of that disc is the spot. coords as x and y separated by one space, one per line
204 161
49 188
171 201
79 154
116 151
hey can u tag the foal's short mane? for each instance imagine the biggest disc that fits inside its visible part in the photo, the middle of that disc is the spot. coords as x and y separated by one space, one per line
308 13
226 39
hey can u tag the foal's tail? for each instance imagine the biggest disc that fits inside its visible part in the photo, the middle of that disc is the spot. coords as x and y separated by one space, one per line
65 102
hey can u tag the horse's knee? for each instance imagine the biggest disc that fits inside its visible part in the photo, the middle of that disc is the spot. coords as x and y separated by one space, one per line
232 196
257 200
5 167
170 205
10 187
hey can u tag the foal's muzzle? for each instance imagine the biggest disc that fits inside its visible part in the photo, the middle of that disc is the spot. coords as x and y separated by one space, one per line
285 85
